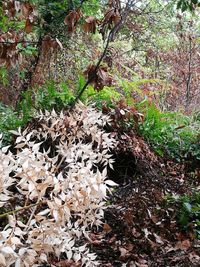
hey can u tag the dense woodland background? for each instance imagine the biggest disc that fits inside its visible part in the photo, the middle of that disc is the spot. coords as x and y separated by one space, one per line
100 133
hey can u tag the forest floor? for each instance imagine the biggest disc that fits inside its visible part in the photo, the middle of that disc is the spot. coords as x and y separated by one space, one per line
140 228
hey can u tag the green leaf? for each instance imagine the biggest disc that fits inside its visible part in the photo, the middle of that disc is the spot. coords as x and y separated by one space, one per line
188 207
179 4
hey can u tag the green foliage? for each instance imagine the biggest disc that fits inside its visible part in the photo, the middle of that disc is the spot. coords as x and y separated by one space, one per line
107 95
25 107
54 12
46 97
4 76
135 86
187 5
53 96
9 120
188 215
49 96
6 23
170 133
3 19
29 50
91 8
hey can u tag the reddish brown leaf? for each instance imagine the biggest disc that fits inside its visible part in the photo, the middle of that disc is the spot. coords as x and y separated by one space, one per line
184 245
179 127
28 26
112 240
90 25
116 17
49 44
27 9
8 54
108 16
107 228
154 219
112 17
72 19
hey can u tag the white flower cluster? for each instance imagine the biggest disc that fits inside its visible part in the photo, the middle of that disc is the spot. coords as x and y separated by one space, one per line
58 170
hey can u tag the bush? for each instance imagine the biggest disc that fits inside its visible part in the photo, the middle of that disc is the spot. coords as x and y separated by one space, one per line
55 180
53 95
188 215
170 133
47 97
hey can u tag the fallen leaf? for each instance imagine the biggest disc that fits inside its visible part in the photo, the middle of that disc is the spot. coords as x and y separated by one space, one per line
154 219
112 240
90 25
107 228
124 253
158 239
72 19
135 233
28 26
184 245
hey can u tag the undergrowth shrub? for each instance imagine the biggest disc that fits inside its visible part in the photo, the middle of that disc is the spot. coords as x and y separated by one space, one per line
53 95
107 95
137 89
170 133
4 76
9 120
47 97
188 211
53 187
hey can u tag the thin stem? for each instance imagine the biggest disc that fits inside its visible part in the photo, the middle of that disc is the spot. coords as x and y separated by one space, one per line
32 214
189 78
18 210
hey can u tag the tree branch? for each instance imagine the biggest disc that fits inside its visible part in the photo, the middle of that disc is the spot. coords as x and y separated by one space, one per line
111 34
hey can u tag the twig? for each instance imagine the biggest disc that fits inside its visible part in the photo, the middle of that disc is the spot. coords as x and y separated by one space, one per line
32 214
18 210
22 42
